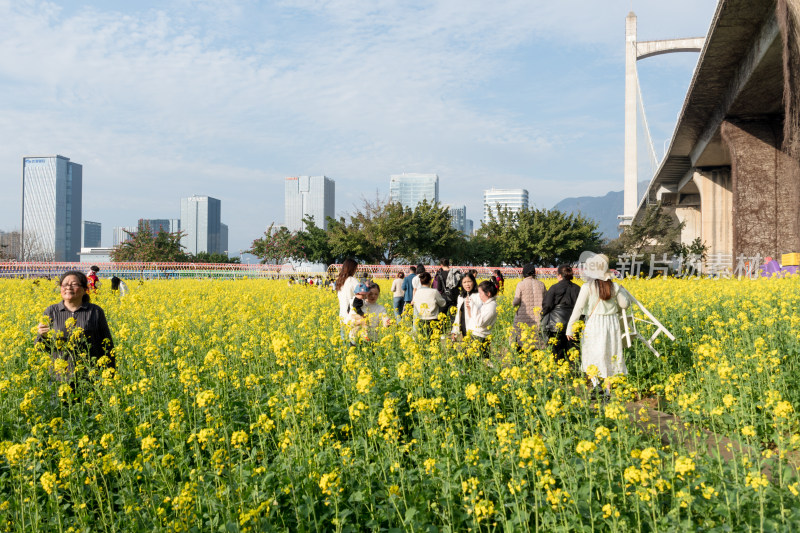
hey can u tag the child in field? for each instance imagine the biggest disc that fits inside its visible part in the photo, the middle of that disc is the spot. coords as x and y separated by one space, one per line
375 314
94 281
356 317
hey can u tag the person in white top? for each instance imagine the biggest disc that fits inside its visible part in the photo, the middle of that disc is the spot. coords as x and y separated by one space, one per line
345 288
427 303
416 283
486 316
374 313
398 294
601 301
464 321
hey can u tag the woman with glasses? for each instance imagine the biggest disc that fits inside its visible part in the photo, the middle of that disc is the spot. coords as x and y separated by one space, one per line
59 329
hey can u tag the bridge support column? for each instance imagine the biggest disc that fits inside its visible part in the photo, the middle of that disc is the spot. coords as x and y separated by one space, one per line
692 223
765 183
716 203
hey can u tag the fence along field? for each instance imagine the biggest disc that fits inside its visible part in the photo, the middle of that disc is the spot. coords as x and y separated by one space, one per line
132 270
236 406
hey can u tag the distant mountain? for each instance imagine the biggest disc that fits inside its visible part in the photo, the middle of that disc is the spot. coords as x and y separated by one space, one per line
601 209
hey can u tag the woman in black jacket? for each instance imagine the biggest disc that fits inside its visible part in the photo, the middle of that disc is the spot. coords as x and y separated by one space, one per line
75 326
558 304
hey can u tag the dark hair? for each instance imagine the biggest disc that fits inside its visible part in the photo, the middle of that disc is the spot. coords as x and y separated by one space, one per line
499 275
420 268
413 269
605 288
468 276
444 262
489 288
94 268
349 267
115 283
565 271
83 281
401 275
424 278
372 285
529 270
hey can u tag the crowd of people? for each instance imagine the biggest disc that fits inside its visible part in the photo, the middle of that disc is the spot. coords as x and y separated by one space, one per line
456 301
447 301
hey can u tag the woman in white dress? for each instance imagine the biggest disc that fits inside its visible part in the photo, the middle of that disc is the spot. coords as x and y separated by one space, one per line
601 301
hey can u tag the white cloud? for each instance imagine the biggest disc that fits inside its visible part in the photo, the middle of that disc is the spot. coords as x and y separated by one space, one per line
225 98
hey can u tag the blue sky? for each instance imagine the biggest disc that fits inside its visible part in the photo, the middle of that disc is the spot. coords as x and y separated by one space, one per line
161 100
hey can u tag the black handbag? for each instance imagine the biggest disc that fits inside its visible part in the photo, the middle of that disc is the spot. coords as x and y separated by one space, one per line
559 315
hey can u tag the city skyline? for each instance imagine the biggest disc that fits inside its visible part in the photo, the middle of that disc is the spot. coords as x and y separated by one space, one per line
517 94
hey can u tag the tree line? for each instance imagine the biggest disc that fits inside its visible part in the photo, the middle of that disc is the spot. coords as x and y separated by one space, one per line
146 246
379 232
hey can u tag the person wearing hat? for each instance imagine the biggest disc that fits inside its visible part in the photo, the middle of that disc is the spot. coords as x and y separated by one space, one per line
601 301
528 298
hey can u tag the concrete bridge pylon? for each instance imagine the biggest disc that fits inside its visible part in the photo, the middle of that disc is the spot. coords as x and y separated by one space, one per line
634 51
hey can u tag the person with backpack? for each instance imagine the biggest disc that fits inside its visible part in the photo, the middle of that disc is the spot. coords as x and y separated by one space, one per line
557 308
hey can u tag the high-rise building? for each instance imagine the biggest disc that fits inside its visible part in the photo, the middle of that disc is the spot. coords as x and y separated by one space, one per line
52 190
156 224
121 234
91 234
411 189
200 220
223 238
174 225
470 227
10 245
495 199
305 196
459 218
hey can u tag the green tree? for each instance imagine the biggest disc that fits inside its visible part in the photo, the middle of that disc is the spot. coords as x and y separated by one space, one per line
276 246
432 233
314 243
540 236
475 250
658 232
378 232
143 246
696 247
217 258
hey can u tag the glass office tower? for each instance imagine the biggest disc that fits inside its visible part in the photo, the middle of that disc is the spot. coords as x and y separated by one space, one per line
200 220
52 190
495 199
92 232
308 196
411 189
459 218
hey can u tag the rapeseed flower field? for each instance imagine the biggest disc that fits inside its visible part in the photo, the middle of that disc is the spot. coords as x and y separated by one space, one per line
236 406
